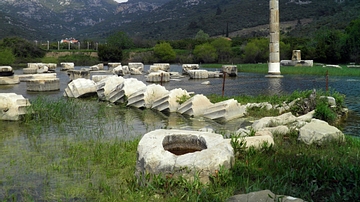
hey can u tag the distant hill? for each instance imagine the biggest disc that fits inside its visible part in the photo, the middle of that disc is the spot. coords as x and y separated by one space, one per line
167 19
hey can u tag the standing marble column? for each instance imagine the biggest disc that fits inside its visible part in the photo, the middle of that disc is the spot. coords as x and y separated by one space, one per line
274 45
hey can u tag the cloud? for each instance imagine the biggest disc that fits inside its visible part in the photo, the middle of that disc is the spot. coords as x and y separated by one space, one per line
121 1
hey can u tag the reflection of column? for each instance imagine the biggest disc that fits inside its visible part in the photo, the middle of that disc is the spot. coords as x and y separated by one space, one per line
275 86
274 45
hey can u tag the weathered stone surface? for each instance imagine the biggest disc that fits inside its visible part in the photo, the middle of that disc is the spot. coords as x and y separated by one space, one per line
182 153
67 66
198 74
230 70
41 85
170 101
147 96
195 106
205 83
111 89
187 67
80 88
9 80
12 106
136 67
159 76
283 119
28 77
29 70
278 129
163 66
42 69
112 65
132 85
318 131
98 78
121 70
225 110
214 74
75 74
262 196
6 71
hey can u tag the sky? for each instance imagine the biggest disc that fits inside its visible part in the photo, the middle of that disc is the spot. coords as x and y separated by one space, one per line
121 1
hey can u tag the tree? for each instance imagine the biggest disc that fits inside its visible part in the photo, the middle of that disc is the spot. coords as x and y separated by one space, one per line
205 53
22 48
120 40
164 52
201 35
256 50
328 46
352 40
223 48
6 57
109 53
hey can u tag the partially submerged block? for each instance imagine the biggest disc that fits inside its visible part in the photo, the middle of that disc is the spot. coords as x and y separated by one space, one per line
80 88
75 74
67 66
132 85
187 67
195 106
171 101
111 89
136 66
12 106
145 97
157 77
163 66
225 110
9 80
6 71
198 74
231 70
41 85
28 77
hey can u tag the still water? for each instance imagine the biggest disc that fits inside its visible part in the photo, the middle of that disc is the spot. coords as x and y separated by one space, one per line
244 84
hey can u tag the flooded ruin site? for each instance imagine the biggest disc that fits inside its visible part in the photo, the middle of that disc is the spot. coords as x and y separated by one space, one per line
55 156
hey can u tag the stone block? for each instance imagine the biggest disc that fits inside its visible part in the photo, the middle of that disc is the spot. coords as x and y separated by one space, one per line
225 111
157 77
80 88
75 74
198 74
195 106
12 106
230 70
9 80
67 66
41 85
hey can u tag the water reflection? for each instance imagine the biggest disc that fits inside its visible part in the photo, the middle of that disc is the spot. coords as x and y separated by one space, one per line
275 86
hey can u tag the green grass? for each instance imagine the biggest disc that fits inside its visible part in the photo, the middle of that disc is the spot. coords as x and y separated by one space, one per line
51 155
315 70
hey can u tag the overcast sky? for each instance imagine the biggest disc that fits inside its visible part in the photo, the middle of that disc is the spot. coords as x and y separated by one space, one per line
120 1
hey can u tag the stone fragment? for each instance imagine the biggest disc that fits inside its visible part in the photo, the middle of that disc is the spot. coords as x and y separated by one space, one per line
146 97
283 119
163 66
9 80
157 77
6 71
171 101
28 77
80 88
187 67
111 89
198 74
195 106
230 70
67 66
12 106
318 132
262 196
225 110
183 153
132 85
41 85
75 74
136 67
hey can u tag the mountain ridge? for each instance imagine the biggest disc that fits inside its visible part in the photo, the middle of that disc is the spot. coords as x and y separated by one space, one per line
162 19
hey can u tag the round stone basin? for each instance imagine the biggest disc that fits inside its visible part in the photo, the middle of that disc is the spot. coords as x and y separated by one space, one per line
183 144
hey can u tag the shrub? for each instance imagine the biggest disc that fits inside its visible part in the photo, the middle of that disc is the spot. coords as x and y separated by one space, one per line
164 52
324 112
6 57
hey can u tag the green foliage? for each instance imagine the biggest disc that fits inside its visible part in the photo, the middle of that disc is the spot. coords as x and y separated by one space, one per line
201 35
6 57
223 48
182 99
120 40
353 40
205 53
110 53
22 48
164 52
256 50
79 59
324 112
